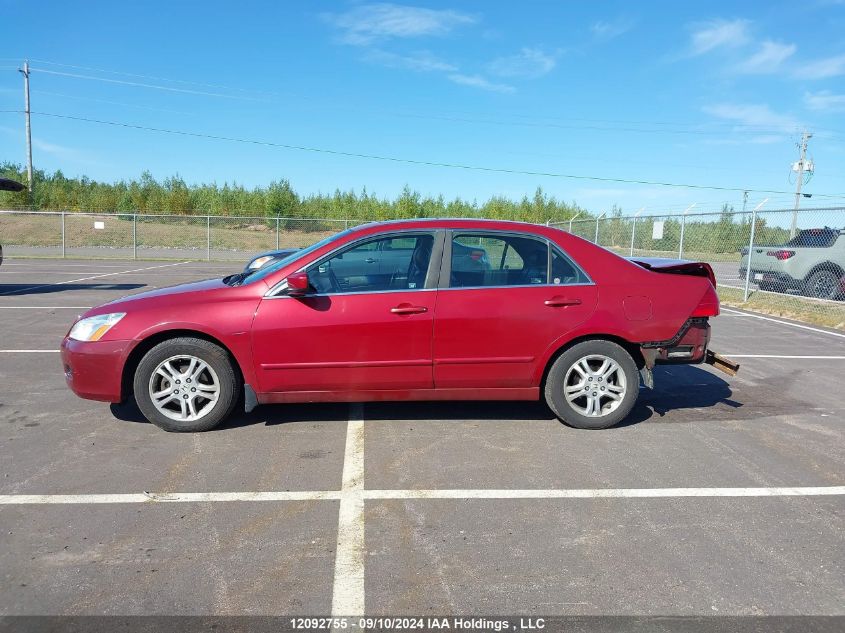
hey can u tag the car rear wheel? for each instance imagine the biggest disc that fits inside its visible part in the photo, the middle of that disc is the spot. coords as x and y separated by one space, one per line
186 385
822 284
593 385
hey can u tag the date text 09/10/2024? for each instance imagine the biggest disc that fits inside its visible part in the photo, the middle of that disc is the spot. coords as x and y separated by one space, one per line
419 623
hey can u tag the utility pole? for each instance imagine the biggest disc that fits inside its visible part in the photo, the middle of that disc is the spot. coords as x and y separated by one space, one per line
802 162
25 72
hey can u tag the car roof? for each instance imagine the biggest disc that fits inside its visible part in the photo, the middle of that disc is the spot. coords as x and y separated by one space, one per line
447 223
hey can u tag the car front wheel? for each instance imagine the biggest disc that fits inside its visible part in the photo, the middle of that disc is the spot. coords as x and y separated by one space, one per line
593 385
186 385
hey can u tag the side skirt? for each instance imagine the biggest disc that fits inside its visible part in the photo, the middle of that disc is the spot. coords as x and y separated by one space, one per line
509 393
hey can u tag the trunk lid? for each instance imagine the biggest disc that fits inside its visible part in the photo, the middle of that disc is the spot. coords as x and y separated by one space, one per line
676 267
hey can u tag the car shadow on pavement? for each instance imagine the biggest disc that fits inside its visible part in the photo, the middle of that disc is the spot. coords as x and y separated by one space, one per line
19 290
682 394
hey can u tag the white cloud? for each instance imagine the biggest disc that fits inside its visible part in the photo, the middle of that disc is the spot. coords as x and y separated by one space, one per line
758 116
822 68
608 30
419 62
718 33
368 23
477 81
824 101
54 149
768 59
529 63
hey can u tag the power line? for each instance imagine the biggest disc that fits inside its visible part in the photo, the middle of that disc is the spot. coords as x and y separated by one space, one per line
117 103
411 161
154 78
606 125
142 85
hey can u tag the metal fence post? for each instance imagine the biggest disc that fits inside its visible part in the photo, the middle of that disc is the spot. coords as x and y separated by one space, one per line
277 232
63 234
134 236
681 245
572 218
751 248
683 225
208 238
634 230
596 241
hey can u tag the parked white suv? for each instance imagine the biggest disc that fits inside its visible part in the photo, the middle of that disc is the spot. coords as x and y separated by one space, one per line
812 262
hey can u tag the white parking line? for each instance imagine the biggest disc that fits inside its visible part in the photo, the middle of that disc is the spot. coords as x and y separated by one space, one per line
45 307
607 493
798 325
348 586
71 281
784 356
30 351
352 549
174 497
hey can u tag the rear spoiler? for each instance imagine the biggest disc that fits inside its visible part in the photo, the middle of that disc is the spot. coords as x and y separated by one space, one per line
676 267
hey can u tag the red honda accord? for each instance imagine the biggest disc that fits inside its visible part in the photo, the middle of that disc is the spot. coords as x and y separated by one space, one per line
406 310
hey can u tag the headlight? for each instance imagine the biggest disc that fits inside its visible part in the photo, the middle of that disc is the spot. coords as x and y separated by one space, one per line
257 263
93 328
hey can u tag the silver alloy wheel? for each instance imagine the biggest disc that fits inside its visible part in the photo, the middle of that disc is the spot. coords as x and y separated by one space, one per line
184 388
595 385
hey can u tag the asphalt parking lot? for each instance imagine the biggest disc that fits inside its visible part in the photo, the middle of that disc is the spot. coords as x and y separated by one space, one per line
719 496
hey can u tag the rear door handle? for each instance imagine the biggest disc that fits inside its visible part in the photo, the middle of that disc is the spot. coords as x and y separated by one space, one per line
561 302
370 260
407 308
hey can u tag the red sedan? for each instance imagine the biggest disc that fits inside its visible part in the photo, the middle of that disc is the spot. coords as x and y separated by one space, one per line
407 310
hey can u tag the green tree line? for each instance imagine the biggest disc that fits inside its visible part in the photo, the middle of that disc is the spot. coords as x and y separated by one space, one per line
56 192
721 232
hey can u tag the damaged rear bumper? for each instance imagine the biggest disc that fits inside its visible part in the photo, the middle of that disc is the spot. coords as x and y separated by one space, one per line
689 346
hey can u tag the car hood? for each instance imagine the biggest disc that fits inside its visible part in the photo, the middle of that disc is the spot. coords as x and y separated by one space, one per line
180 289
180 295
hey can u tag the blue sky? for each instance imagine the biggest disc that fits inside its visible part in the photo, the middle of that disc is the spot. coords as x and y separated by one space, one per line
700 93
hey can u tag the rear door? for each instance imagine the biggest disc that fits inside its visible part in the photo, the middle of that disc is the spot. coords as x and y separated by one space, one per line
496 319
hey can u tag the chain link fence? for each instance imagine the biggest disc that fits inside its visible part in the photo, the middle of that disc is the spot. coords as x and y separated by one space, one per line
149 236
797 259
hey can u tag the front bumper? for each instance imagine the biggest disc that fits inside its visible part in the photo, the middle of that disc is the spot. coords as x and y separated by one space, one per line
94 370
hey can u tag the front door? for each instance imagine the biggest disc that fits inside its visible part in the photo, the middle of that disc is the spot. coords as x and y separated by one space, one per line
362 328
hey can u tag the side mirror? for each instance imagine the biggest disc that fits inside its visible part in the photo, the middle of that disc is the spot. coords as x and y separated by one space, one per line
298 285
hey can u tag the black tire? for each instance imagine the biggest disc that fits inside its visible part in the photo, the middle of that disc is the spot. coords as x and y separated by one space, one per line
823 284
216 358
556 381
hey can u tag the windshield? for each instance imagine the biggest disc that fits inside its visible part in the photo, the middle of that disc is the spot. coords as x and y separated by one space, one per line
269 270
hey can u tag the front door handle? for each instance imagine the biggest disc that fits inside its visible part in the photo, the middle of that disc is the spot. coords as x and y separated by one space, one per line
562 302
407 308
370 260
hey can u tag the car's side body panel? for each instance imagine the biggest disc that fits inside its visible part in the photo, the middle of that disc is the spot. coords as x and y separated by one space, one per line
454 343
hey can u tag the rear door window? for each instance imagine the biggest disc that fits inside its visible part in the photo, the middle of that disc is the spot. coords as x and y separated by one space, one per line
495 260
